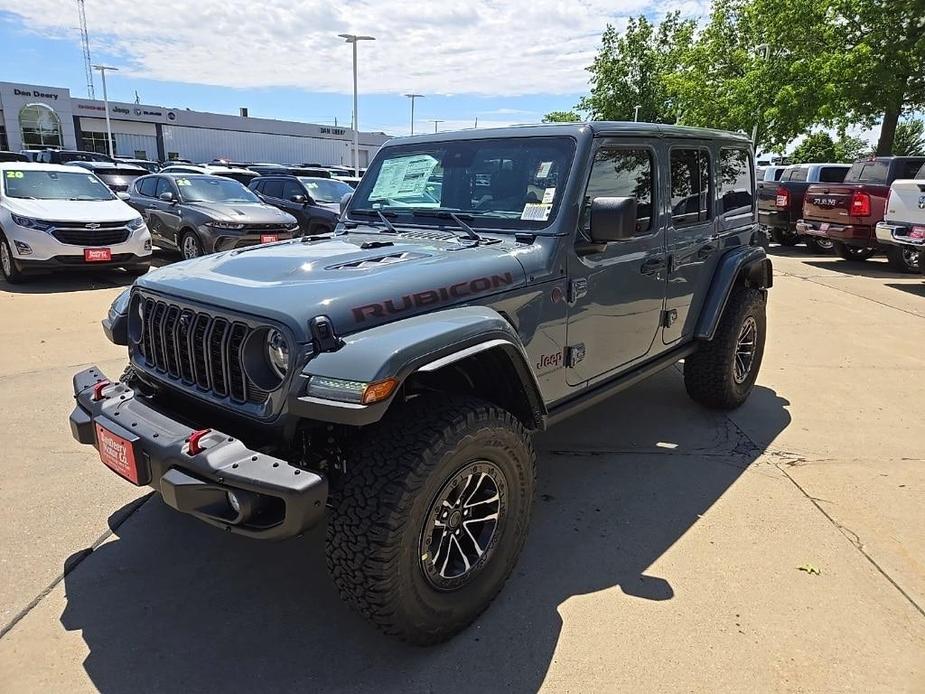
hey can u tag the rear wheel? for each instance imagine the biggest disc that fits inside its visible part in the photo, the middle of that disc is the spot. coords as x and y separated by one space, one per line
431 515
854 253
11 273
783 238
818 245
722 372
903 258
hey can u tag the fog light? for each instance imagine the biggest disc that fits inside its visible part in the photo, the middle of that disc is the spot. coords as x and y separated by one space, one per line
234 502
22 248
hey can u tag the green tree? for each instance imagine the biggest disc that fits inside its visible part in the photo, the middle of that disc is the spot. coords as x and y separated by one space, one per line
910 138
820 147
631 69
561 117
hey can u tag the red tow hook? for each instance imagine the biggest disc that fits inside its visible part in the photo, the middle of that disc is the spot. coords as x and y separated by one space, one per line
195 447
98 390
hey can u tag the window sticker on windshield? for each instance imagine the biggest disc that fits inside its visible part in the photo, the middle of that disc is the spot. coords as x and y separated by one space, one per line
536 212
548 196
183 182
14 174
403 176
544 169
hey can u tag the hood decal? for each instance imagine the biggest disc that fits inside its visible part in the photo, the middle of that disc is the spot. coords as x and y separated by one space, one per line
432 297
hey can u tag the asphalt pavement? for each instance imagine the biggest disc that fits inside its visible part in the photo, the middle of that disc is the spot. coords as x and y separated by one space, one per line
776 548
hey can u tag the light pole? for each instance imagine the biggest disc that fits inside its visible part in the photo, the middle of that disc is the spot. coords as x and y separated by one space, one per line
436 123
413 97
354 39
636 113
103 69
765 49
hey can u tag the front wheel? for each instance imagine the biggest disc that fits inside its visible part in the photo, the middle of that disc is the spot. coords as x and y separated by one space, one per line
903 258
11 273
857 254
815 244
190 245
430 517
722 372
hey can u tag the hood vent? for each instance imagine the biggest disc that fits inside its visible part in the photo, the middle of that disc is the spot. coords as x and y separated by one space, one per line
378 261
430 235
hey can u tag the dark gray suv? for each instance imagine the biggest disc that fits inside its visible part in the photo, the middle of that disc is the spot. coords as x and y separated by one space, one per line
480 286
197 214
314 202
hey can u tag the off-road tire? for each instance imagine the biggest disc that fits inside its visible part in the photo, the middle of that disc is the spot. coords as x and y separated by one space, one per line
383 504
902 259
814 245
783 238
8 269
855 254
709 373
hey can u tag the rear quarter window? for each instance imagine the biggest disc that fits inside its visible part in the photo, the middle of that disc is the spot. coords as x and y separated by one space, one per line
736 183
832 174
907 168
797 174
868 172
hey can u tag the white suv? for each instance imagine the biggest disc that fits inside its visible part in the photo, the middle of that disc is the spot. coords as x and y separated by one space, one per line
54 216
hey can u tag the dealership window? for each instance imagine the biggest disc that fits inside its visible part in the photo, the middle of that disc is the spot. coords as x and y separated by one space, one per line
141 154
40 126
622 173
4 142
690 186
736 182
96 142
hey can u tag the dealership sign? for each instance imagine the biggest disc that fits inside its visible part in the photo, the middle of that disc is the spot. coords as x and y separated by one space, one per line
127 111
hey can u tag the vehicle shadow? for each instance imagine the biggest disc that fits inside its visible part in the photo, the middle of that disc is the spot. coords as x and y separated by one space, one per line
173 605
63 281
916 289
795 252
875 267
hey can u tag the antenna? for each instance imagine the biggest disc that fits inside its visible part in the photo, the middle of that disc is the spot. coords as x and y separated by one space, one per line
85 45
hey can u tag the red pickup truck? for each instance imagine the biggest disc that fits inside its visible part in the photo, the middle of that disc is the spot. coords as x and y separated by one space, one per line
847 213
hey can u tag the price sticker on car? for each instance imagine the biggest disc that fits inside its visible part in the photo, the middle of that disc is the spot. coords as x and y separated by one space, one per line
14 174
183 182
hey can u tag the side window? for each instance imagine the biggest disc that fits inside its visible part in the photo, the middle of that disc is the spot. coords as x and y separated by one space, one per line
273 189
148 186
736 183
832 174
908 168
291 188
690 186
800 173
163 186
258 186
622 173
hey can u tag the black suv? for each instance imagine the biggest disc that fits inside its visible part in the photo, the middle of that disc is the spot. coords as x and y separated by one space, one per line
480 286
315 202
197 214
118 175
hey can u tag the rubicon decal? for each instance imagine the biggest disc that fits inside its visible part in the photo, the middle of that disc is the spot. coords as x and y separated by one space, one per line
432 297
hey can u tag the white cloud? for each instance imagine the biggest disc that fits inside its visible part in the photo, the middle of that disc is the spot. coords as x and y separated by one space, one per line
489 47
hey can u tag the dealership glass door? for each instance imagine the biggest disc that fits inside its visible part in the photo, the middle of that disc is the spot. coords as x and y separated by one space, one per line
40 126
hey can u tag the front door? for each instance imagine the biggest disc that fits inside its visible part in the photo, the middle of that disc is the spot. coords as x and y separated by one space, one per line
168 214
617 296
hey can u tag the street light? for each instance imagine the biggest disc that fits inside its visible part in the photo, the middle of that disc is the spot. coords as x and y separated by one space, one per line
636 113
413 97
103 69
354 39
436 122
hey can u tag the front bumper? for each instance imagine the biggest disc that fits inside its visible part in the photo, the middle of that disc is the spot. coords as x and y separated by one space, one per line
281 500
32 248
849 234
229 239
898 235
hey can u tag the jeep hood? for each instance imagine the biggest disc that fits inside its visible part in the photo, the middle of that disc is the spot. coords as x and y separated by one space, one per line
357 280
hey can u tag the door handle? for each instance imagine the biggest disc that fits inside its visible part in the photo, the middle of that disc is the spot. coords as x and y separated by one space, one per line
653 265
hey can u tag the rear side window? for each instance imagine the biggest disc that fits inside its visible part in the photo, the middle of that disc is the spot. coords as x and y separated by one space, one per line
736 184
147 186
921 174
622 173
832 174
690 186
778 173
273 189
798 173
908 168
868 172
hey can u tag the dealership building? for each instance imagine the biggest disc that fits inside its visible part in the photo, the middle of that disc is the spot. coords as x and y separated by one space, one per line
33 117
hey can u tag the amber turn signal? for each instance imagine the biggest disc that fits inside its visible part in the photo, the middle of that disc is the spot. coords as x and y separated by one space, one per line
376 392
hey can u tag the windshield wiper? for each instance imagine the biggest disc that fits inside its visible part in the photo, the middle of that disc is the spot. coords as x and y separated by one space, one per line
468 231
381 215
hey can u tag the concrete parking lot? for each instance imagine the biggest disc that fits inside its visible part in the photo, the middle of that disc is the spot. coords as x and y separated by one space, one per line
780 548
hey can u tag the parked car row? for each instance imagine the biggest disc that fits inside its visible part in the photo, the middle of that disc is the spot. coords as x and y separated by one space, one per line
873 206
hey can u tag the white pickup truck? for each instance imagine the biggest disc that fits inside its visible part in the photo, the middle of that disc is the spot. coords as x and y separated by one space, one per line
902 230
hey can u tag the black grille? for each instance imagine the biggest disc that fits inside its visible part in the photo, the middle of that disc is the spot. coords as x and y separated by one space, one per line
83 225
197 349
91 237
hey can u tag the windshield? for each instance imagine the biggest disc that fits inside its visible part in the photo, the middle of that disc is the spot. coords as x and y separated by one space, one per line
213 189
54 185
511 183
326 189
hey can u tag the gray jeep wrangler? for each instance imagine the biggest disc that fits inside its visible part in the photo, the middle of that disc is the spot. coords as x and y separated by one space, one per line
479 287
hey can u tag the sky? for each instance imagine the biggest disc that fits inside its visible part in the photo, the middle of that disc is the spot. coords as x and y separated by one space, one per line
498 61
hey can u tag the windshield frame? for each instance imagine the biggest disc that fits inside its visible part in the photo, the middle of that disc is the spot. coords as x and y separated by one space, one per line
6 193
405 215
209 179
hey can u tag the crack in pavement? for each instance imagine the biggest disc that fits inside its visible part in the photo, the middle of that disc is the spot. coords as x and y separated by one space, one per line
74 561
845 291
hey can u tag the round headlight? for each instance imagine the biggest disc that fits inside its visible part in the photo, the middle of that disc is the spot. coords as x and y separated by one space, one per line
278 352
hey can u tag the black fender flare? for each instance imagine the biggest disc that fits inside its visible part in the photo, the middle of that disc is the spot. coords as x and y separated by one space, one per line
743 264
424 343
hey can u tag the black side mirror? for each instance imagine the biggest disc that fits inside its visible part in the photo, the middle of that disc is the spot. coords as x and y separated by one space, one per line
613 219
344 201
167 196
298 199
